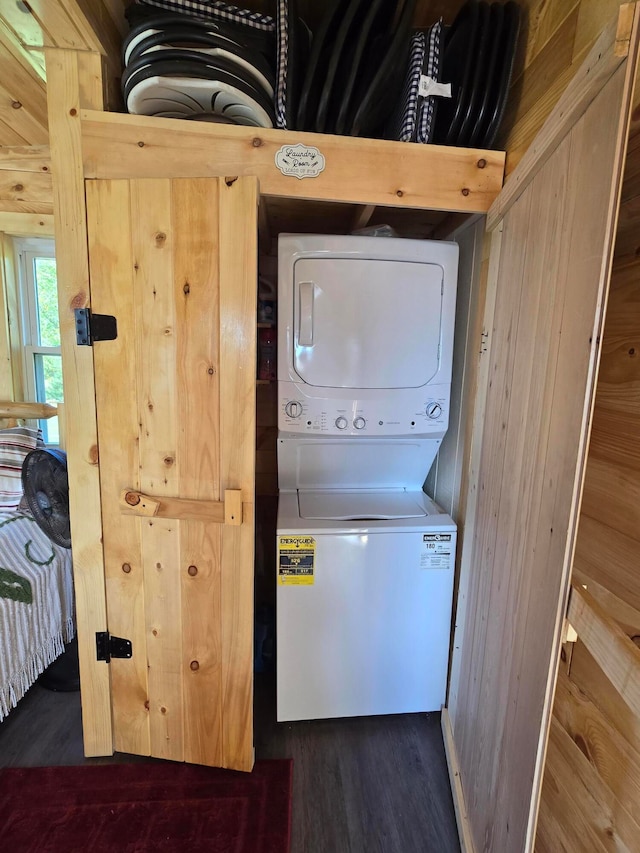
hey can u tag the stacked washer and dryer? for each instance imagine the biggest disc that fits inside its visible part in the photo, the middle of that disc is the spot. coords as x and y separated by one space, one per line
365 559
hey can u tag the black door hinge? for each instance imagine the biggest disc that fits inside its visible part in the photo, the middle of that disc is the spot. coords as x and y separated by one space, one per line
108 647
94 327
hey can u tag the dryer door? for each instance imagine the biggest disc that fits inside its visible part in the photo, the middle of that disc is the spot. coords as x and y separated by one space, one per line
367 323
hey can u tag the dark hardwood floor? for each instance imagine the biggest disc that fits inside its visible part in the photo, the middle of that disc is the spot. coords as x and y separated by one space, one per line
365 785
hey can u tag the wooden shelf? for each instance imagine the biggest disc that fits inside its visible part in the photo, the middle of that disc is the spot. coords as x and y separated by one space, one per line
264 381
357 171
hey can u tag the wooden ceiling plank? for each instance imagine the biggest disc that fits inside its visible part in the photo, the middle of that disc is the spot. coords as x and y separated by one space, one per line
9 136
20 121
25 207
27 94
31 60
26 190
24 25
25 89
58 25
27 224
36 59
25 158
94 25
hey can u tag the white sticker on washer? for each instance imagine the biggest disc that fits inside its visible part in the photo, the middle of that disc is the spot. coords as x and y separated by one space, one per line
437 551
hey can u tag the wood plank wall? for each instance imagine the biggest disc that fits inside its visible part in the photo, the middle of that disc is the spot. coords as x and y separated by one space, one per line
555 38
591 788
25 180
25 30
534 426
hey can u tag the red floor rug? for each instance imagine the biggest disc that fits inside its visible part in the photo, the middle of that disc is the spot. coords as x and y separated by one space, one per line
135 808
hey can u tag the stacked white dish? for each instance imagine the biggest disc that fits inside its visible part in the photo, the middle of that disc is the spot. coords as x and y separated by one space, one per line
213 61
188 69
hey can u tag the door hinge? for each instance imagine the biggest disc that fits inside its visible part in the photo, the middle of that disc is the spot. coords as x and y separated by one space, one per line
108 647
484 340
94 327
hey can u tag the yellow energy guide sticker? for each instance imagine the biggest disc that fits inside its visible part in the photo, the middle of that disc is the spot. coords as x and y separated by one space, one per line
296 560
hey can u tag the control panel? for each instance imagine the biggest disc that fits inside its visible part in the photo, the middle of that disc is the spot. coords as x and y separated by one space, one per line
302 414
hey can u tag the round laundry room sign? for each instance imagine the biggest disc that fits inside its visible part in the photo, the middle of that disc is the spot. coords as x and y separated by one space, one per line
300 161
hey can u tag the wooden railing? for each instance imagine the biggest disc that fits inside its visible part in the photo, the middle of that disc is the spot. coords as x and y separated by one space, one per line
11 411
614 652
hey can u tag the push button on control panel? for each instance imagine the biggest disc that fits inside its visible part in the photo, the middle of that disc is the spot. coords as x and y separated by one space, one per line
359 423
293 409
341 423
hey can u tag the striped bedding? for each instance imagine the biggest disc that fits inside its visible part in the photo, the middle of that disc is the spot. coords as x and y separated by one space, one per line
36 604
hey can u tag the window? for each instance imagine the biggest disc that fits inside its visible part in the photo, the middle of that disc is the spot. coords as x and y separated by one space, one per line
40 328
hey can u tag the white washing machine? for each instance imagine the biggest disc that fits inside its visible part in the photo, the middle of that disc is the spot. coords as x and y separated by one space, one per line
365 559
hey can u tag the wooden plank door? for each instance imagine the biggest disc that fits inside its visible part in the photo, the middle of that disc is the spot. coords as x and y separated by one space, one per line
175 262
554 225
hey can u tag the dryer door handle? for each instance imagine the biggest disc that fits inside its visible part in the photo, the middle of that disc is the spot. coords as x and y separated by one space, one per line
306 293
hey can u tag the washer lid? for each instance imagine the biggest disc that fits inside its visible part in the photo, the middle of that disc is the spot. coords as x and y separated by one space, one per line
345 506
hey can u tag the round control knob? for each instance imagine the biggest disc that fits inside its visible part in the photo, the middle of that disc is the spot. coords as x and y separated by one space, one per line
434 410
359 423
341 423
293 408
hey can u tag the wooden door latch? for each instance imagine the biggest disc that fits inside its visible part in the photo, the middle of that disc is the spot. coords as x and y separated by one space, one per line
228 511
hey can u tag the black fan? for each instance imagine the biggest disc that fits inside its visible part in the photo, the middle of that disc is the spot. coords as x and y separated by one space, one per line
46 490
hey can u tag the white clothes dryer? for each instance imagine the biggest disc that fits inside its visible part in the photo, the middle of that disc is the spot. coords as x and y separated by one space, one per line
365 335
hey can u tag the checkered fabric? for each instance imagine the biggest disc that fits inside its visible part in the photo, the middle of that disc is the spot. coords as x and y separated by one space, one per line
215 10
427 106
405 119
413 121
282 62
